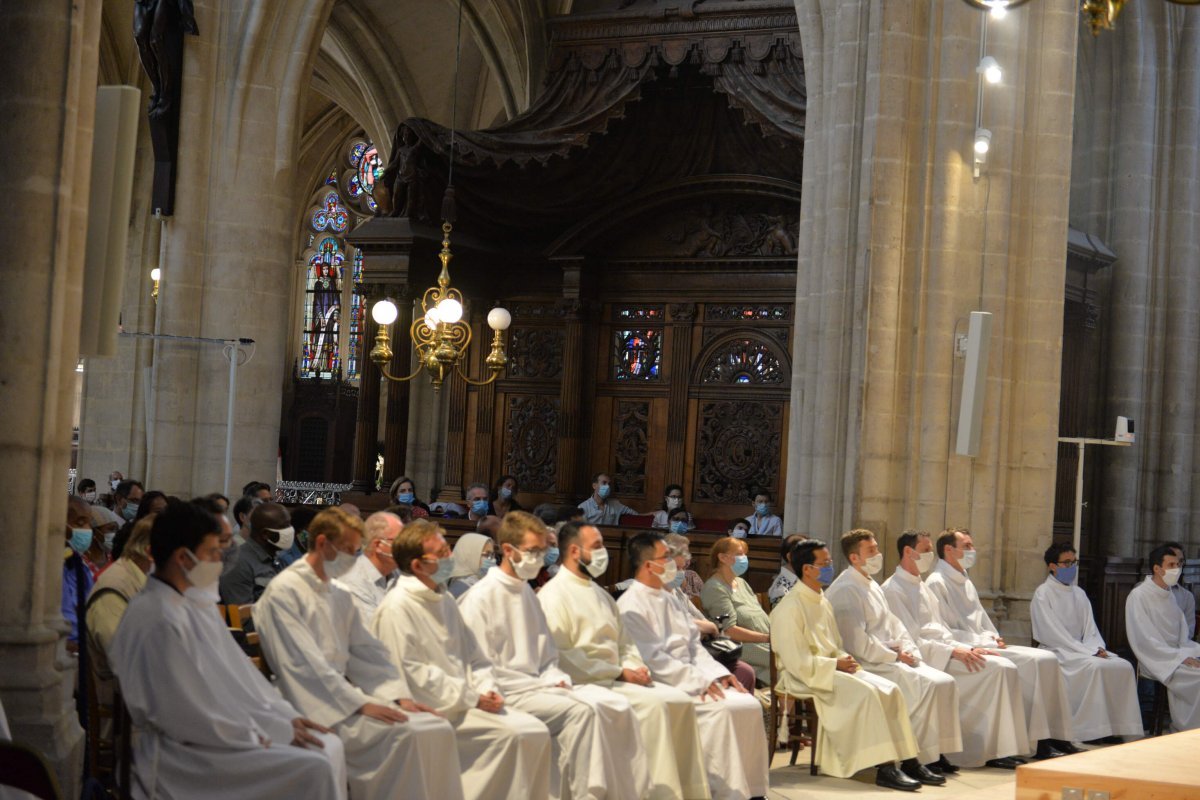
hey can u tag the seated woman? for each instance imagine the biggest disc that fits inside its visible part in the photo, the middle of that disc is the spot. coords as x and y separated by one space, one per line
474 555
404 491
672 503
727 593
504 497
692 583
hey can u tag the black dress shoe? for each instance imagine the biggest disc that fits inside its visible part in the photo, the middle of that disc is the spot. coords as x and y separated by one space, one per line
1063 746
913 769
943 766
1046 750
1002 763
1018 759
889 776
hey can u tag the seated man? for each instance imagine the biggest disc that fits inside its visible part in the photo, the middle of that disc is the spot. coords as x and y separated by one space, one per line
255 565
864 719
203 711
600 508
1101 687
729 718
374 572
504 753
110 598
77 580
336 672
1157 633
762 522
593 648
1183 595
1047 713
476 501
597 749
786 579
990 708
877 640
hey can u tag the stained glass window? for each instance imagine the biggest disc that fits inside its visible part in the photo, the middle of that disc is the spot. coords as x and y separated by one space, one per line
367 167
744 361
357 318
322 310
637 355
331 215
639 312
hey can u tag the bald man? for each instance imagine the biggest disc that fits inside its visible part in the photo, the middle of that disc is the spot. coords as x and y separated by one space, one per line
256 562
374 572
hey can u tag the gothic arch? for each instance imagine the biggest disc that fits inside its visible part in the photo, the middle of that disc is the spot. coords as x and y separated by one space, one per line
744 358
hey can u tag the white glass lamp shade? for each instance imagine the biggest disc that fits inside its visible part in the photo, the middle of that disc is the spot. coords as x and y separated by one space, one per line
155 274
990 69
384 312
499 319
432 318
449 310
983 141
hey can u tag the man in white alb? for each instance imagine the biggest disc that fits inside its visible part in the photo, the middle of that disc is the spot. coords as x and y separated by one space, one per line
1183 596
729 718
201 709
336 672
1047 712
504 753
1101 686
374 572
1157 633
990 708
598 750
881 645
593 647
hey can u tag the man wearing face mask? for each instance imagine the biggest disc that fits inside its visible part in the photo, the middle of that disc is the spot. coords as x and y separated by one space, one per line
126 497
591 727
1101 686
601 508
864 719
879 642
1047 712
200 707
255 563
374 572
726 594
762 522
77 579
337 673
1183 595
87 490
505 753
114 478
594 648
475 498
990 709
1158 635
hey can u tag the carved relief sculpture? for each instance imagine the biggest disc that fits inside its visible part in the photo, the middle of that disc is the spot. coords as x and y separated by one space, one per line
531 453
737 450
633 436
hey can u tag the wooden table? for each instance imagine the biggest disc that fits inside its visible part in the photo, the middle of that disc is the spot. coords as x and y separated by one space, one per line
1161 768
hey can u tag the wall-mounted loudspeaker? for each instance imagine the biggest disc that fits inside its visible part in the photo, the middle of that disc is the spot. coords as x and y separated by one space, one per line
113 149
970 409
1124 430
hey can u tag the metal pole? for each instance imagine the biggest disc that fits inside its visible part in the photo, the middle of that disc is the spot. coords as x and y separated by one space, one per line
234 352
1079 496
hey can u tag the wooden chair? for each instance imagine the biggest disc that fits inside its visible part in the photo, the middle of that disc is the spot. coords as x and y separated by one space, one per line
1158 711
238 617
803 710
764 600
100 743
24 768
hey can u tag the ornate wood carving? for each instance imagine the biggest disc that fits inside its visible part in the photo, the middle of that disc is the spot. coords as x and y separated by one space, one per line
738 444
743 361
745 312
535 353
531 452
633 437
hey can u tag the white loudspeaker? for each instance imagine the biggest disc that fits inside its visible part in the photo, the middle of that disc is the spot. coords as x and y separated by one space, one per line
970 409
113 149
1124 430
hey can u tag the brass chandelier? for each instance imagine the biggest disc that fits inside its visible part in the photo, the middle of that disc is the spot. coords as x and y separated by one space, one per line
1098 14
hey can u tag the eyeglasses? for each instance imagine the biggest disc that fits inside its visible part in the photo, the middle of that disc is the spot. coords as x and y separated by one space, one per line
1067 563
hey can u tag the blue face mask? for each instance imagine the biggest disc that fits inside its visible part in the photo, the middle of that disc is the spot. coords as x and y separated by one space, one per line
603 491
679 526
406 497
1066 575
479 508
551 555
487 563
762 508
444 568
677 581
505 493
825 577
129 511
741 564
81 539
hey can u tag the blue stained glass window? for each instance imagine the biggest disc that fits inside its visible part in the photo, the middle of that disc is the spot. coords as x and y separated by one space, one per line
357 318
320 357
331 215
370 168
637 355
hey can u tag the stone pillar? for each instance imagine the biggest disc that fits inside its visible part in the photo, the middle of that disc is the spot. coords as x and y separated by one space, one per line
899 243
49 51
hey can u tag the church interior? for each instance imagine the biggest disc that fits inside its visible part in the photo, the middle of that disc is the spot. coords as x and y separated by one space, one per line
840 264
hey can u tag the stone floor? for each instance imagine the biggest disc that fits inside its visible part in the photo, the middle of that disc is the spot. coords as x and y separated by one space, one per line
794 783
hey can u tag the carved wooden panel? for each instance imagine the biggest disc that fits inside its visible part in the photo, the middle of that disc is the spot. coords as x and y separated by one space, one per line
535 353
743 361
741 312
531 431
632 425
738 446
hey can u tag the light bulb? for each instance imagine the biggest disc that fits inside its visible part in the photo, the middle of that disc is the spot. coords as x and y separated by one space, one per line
990 69
384 312
983 140
155 274
432 318
499 319
449 310
998 11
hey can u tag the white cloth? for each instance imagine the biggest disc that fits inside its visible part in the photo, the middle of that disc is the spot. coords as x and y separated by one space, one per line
1047 712
593 647
1102 691
329 667
731 729
594 731
1186 601
863 717
203 710
873 635
505 755
367 585
990 708
782 584
1157 633
770 525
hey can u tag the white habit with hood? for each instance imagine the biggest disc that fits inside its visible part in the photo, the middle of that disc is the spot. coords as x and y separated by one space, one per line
1157 633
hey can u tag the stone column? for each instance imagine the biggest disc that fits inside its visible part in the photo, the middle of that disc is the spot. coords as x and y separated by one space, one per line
49 52
899 243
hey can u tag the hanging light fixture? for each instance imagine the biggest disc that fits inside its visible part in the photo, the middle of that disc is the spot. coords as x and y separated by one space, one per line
1098 14
441 336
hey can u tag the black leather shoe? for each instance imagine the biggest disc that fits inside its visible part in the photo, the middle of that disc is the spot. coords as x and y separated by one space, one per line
1046 750
943 766
889 776
922 775
1002 763
1063 746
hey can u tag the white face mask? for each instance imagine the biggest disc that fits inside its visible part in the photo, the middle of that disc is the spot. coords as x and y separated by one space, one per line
526 566
204 574
673 503
925 561
599 563
874 564
1171 576
668 573
90 496
287 537
968 559
113 483
340 565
